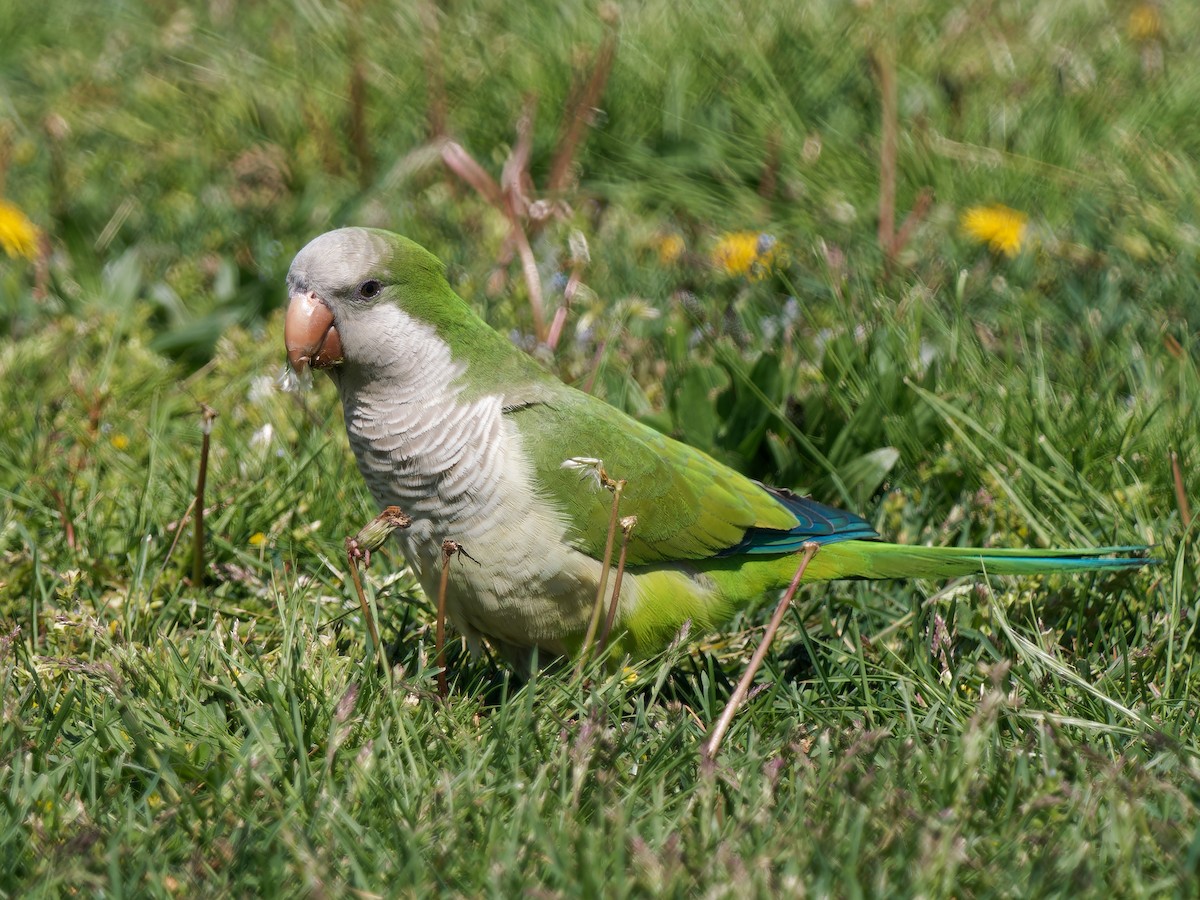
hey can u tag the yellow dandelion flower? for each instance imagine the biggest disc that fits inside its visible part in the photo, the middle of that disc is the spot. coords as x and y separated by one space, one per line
119 441
749 253
1145 23
670 248
257 539
18 235
1001 228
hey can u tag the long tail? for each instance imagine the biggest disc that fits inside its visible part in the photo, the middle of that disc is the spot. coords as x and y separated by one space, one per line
875 559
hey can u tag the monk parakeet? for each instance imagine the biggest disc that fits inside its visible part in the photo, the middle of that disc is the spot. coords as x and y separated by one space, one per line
473 439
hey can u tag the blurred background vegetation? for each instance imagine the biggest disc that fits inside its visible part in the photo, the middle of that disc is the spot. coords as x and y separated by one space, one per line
177 155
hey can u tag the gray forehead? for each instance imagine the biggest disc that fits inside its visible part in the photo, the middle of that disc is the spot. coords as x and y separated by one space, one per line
337 260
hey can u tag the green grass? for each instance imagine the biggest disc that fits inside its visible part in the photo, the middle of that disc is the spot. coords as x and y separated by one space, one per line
1013 738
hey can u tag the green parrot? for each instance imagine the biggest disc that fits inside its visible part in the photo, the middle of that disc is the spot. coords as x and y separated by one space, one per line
474 440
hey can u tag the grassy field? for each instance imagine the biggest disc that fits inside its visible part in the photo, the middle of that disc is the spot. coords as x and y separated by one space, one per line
936 262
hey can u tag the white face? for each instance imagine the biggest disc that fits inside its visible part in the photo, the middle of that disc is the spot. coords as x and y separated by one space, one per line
347 270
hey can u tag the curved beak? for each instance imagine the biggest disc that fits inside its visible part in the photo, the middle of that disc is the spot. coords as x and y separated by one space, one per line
309 333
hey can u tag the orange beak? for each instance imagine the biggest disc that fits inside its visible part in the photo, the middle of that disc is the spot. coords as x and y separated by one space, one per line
309 333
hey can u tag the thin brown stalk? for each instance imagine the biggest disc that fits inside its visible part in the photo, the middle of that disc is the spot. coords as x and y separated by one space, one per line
370 538
65 516
463 164
914 218
597 358
885 66
515 183
449 548
556 327
178 531
584 101
560 315
41 268
533 281
356 126
435 87
616 487
627 526
362 602
1181 498
358 132
770 175
710 747
510 198
207 415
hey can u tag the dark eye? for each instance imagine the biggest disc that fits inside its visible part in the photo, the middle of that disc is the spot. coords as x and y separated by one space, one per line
368 289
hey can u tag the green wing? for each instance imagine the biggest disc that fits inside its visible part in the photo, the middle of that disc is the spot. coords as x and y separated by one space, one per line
688 505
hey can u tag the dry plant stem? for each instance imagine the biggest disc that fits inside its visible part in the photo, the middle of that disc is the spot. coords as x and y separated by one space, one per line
915 216
594 622
533 281
770 175
178 532
359 139
713 743
435 87
515 183
356 125
886 68
362 601
41 268
1185 508
560 314
179 528
449 548
556 327
207 415
370 538
627 525
584 101
65 516
597 358
507 199
462 164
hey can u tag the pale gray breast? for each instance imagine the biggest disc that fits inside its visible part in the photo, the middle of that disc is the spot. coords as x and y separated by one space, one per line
436 458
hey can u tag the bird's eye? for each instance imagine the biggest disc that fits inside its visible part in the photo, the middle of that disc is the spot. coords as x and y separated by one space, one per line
369 289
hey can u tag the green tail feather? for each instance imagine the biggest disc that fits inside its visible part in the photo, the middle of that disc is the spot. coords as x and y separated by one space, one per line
872 559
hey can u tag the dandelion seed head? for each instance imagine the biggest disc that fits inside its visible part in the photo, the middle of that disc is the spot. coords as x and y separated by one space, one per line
263 436
291 381
578 245
261 389
588 468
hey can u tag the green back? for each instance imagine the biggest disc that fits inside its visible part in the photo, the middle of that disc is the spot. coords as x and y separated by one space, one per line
688 505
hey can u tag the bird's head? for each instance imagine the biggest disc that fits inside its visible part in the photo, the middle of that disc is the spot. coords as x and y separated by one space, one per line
365 297
370 306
